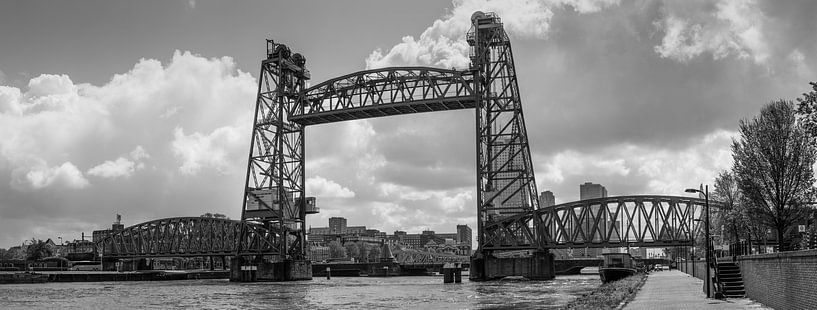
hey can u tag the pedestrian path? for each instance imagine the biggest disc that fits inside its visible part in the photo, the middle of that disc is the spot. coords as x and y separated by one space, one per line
677 290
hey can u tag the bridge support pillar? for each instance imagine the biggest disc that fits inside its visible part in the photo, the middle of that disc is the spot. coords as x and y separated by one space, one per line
538 266
245 270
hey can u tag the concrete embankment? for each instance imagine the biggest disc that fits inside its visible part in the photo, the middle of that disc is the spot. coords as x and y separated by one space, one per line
96 276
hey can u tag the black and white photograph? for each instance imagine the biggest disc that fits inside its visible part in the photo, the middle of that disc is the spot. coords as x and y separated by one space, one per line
428 154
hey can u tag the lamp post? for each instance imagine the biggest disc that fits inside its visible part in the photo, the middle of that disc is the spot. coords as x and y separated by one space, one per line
705 192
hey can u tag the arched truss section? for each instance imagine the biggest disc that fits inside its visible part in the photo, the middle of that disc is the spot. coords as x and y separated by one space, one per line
414 257
384 92
189 236
604 222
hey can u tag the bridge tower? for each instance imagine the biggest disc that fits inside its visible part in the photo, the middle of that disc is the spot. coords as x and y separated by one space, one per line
274 192
506 186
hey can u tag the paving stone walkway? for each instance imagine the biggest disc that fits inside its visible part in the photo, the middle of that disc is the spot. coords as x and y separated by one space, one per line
677 290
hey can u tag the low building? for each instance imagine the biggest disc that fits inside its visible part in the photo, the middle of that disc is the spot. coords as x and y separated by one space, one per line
98 235
318 252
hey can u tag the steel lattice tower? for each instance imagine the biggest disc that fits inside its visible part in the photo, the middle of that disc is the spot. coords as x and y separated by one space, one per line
505 181
274 190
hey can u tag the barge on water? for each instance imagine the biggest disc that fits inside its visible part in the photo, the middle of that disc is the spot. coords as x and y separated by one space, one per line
616 266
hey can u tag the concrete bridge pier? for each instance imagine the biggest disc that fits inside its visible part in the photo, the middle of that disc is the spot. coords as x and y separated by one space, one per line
485 266
243 269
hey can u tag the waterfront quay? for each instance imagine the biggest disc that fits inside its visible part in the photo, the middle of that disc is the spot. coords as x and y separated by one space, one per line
676 290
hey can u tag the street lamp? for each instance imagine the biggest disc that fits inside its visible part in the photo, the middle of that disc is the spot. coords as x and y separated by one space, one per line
705 192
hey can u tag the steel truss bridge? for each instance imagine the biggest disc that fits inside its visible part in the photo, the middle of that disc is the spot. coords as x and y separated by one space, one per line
509 218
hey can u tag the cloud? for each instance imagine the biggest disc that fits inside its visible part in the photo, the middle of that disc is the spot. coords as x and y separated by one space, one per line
41 176
121 167
724 29
443 43
322 187
114 132
632 169
198 151
602 104
139 153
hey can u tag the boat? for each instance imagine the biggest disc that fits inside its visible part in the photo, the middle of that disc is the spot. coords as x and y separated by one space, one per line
616 266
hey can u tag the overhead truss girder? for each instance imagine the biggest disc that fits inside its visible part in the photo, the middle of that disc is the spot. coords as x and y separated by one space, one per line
385 92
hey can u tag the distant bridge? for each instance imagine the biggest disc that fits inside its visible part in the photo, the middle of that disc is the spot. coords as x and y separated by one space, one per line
200 236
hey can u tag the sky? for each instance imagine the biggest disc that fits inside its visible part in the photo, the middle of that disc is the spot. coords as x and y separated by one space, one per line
144 108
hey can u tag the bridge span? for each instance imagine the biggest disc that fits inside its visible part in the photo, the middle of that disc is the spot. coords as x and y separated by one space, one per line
271 234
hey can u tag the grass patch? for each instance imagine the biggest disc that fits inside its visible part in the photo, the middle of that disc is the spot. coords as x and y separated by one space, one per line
609 295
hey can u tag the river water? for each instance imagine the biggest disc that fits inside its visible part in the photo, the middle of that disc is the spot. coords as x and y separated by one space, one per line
418 293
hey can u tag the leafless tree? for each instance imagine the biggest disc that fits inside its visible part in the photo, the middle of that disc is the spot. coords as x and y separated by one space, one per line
730 213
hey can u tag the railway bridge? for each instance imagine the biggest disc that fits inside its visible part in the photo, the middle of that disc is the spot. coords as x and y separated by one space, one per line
271 235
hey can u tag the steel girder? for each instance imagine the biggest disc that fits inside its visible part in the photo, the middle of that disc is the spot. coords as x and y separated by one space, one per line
414 257
506 184
622 221
384 92
652 221
190 236
274 190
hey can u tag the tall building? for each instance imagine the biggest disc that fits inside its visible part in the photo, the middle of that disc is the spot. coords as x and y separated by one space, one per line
464 234
589 190
337 225
546 199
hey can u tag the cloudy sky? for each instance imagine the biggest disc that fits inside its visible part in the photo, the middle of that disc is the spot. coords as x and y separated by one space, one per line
143 108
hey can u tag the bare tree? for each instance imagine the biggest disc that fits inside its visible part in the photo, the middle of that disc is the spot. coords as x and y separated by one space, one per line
773 167
336 250
731 213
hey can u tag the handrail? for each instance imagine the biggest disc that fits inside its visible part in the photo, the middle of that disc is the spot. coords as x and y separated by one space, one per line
718 285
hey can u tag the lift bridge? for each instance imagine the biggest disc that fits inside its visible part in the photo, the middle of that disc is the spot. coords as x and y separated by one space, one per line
273 219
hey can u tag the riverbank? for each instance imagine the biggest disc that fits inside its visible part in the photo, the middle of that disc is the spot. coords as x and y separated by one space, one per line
610 295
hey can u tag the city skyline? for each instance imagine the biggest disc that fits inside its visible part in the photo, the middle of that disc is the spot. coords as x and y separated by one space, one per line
145 110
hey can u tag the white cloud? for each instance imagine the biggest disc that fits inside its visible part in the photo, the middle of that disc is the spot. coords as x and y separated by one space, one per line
197 151
139 153
321 187
41 176
121 167
571 162
443 43
10 101
54 130
641 169
733 28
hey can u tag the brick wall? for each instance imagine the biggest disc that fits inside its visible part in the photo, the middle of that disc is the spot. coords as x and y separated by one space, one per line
781 280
